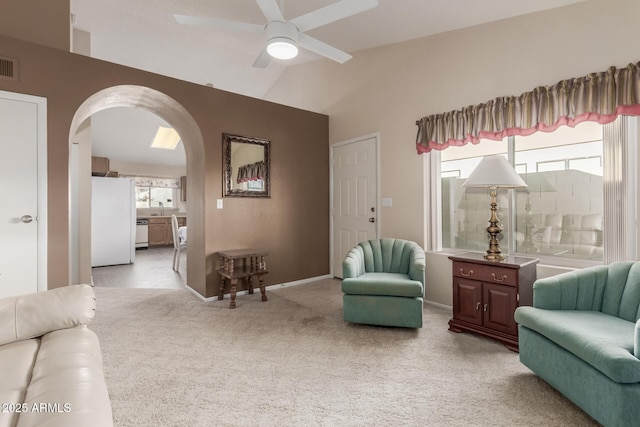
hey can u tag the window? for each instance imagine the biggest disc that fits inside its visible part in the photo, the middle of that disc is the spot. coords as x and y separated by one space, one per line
152 192
465 211
559 215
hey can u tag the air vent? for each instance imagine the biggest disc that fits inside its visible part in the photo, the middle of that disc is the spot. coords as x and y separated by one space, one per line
8 68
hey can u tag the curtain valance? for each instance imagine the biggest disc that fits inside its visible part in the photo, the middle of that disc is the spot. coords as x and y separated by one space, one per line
252 172
599 97
151 181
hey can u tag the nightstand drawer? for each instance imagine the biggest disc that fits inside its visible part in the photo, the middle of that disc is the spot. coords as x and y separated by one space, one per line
486 273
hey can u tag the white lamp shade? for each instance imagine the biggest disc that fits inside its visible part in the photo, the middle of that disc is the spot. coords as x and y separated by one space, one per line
494 171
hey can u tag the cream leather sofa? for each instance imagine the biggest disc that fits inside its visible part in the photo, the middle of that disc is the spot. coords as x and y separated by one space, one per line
50 362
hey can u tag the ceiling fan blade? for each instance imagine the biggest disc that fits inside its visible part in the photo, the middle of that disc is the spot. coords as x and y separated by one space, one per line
321 48
333 12
218 23
262 60
271 10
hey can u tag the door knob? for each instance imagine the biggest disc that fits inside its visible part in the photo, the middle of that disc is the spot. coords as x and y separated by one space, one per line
372 219
26 219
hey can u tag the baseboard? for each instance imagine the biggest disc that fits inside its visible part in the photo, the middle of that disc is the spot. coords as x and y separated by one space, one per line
301 282
196 293
438 305
276 286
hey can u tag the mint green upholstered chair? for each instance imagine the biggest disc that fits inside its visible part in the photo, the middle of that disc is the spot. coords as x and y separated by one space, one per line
582 336
383 283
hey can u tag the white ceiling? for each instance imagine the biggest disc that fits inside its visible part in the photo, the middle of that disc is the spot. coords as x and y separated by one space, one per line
144 34
125 134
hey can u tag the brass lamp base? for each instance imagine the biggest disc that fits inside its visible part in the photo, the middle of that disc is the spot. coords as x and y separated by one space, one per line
494 253
494 257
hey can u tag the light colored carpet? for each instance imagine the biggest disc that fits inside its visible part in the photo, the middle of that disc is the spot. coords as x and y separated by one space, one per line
173 360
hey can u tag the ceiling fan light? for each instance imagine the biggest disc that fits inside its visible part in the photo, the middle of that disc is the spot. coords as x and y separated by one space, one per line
282 48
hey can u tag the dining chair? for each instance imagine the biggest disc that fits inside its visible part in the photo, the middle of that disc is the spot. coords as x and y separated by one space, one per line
178 245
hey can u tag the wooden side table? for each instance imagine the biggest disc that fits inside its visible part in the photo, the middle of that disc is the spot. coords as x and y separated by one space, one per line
242 264
487 293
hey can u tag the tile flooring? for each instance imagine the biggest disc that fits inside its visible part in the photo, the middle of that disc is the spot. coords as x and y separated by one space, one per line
151 269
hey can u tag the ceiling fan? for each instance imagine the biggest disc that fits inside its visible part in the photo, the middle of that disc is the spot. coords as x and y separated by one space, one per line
284 37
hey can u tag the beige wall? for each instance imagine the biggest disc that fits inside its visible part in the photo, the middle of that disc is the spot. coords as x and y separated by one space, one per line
45 22
387 89
297 214
81 42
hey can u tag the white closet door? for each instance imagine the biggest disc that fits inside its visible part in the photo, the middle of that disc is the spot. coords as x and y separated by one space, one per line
22 267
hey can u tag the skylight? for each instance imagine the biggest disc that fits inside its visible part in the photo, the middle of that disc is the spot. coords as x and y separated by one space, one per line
166 139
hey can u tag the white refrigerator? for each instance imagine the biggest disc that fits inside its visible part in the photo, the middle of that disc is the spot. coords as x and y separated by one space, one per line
113 221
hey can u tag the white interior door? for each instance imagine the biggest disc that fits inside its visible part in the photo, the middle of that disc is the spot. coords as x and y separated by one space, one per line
354 196
22 211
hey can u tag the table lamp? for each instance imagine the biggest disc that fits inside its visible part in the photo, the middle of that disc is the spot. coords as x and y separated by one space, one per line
494 172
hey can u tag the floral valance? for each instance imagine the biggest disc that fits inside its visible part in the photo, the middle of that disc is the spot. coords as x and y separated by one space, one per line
251 172
150 181
599 97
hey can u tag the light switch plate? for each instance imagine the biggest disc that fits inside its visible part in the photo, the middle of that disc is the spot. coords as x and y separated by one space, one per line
219 203
387 202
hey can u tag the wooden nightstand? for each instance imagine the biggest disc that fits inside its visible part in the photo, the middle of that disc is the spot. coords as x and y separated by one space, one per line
486 294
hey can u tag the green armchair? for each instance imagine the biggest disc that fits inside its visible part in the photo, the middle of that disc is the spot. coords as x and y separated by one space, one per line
383 283
582 336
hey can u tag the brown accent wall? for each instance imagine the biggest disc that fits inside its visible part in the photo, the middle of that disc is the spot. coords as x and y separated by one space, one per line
45 22
293 225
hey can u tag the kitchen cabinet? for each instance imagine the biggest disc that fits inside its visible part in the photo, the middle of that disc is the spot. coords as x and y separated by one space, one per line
100 167
160 233
487 293
157 231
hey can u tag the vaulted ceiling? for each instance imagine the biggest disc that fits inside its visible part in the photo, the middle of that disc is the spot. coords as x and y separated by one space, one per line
144 34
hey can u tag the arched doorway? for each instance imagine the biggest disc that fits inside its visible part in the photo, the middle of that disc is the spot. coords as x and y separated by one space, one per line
179 118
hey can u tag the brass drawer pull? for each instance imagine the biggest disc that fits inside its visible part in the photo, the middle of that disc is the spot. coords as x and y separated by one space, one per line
504 277
467 274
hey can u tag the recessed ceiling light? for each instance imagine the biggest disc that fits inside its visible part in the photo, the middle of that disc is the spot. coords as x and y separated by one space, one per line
166 138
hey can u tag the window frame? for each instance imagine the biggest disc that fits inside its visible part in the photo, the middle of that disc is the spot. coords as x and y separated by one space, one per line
174 193
148 183
433 203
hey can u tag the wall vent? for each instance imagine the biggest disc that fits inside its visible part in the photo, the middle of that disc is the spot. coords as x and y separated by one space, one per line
8 68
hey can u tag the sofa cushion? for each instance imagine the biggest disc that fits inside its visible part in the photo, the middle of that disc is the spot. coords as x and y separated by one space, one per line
389 284
16 364
603 341
33 315
68 376
385 256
